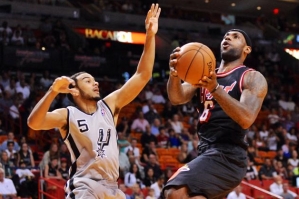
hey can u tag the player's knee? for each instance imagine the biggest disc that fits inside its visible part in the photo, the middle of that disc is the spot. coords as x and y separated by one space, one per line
174 193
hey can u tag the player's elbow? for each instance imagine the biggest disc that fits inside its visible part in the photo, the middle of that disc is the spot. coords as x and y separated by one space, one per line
32 124
246 123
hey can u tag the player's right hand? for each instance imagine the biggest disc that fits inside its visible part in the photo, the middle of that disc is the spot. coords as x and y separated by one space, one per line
173 61
61 85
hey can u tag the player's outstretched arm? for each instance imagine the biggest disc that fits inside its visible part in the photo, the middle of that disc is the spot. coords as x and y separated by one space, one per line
137 82
40 118
245 111
178 93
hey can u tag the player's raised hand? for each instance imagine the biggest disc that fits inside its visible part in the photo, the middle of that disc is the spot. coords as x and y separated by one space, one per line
173 58
151 21
61 85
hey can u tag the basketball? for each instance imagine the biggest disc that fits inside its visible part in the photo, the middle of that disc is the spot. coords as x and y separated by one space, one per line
196 60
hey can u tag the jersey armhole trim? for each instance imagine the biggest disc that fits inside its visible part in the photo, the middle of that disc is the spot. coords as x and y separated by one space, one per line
67 125
242 79
108 107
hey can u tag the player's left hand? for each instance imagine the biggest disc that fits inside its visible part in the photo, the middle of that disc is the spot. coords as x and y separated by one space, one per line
151 21
210 83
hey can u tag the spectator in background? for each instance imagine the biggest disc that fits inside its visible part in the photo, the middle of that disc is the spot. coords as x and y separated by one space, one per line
158 186
193 153
134 149
4 39
5 79
12 154
52 169
17 39
264 132
151 115
292 136
251 172
288 124
147 137
64 153
237 193
137 193
25 156
149 178
122 142
293 161
133 176
176 124
52 152
153 163
7 165
7 188
46 80
158 98
259 143
277 186
64 168
281 170
124 164
273 117
123 126
11 88
145 108
272 140
173 139
182 156
162 138
169 110
26 186
188 109
139 124
23 87
148 150
155 127
148 93
280 157
267 171
123 188
10 137
151 194
14 113
6 28
287 194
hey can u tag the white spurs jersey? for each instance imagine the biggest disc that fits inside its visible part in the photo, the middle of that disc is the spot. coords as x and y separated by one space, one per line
92 142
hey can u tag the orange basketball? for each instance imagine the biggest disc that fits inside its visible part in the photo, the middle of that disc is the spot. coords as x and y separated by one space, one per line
196 60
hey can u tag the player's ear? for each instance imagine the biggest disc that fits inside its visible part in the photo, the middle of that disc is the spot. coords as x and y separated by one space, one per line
247 50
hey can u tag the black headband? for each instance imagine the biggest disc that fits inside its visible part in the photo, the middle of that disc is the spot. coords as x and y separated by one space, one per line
247 38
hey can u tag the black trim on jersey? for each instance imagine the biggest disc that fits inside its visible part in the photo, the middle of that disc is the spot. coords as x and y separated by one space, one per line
67 126
76 153
72 187
72 195
73 169
108 107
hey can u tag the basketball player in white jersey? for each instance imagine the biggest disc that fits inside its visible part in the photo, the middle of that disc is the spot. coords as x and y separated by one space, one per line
88 128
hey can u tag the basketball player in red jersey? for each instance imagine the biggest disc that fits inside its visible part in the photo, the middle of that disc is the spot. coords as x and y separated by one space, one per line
88 128
231 98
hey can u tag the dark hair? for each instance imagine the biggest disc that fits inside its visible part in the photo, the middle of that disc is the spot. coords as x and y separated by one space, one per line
73 77
138 175
10 142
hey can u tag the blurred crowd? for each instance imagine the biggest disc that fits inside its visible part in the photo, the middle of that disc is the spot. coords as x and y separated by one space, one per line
152 125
